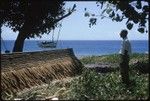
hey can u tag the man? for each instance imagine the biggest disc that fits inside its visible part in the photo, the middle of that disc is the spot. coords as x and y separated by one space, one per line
125 52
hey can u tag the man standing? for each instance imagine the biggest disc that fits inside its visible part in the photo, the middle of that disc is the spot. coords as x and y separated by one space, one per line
125 52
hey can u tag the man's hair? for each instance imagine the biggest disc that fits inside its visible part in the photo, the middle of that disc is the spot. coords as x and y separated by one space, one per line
124 32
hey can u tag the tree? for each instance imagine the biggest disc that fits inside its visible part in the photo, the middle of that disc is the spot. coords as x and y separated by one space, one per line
31 18
136 12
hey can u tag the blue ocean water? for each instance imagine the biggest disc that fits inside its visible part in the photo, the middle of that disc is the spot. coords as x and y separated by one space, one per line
81 48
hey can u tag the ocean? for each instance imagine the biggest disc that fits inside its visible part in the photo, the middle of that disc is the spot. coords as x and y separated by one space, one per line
81 48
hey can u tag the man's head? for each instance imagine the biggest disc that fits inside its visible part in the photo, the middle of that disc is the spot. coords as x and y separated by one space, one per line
123 33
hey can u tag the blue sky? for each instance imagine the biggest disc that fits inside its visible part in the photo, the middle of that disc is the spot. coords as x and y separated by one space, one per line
76 27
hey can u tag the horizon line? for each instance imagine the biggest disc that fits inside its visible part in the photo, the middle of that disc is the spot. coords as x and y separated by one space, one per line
84 40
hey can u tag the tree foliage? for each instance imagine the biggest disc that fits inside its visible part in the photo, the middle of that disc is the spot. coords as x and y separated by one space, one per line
31 18
136 12
38 16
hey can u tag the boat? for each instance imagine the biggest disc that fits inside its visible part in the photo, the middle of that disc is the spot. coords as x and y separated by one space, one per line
52 43
47 44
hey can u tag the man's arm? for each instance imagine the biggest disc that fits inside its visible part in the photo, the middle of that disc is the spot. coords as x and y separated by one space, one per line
126 52
122 50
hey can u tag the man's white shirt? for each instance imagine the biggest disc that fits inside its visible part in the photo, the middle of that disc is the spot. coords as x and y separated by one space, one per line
125 46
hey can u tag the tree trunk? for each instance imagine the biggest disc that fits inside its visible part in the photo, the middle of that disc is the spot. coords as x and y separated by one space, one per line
19 43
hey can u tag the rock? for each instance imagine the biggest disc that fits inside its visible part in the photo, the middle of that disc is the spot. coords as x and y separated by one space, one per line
51 98
55 98
17 99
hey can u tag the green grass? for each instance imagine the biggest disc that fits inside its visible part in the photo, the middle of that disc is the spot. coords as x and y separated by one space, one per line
97 86
96 59
108 86
113 58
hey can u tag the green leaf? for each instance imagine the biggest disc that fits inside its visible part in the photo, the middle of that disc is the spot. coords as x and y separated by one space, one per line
103 11
102 17
93 14
112 14
117 18
86 14
138 5
101 5
145 8
135 21
108 10
129 26
141 30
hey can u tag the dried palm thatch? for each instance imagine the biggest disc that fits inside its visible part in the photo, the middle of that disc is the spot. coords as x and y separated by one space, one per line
24 70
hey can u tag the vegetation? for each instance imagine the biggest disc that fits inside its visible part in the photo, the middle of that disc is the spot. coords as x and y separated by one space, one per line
108 86
35 18
97 86
31 18
113 58
135 12
92 85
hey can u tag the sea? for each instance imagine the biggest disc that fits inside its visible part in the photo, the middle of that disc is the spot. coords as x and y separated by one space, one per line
81 47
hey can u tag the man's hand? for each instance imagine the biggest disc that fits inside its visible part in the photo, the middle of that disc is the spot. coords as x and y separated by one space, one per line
126 52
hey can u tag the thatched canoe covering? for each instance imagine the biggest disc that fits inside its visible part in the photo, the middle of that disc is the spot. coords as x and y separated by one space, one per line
24 70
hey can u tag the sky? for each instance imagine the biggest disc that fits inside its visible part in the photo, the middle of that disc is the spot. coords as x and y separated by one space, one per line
76 27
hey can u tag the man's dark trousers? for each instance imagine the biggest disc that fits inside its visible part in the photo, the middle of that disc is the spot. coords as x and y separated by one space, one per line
124 68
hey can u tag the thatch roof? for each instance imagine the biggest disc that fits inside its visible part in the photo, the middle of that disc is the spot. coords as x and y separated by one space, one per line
24 70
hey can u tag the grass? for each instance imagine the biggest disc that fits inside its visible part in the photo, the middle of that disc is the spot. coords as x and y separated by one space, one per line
113 58
97 86
108 86
92 85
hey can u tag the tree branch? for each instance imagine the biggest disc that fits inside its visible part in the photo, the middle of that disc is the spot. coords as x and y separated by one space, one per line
69 13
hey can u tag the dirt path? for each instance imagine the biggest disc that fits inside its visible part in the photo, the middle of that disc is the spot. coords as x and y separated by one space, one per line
103 67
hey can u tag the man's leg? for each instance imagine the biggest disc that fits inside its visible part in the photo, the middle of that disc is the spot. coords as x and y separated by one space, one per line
126 73
124 67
